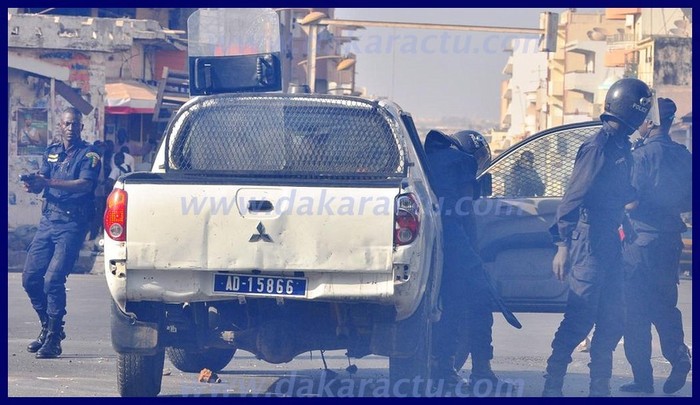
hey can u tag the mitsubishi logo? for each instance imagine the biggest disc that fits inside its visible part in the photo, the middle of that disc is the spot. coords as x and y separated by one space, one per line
261 235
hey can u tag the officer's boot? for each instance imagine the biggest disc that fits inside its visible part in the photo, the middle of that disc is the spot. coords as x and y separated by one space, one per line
36 344
443 371
553 385
52 346
483 378
600 387
679 371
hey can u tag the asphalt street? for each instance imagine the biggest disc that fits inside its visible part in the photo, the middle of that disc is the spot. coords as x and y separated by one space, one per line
87 367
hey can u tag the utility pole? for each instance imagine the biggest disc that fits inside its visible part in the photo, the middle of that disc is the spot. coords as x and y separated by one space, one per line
548 28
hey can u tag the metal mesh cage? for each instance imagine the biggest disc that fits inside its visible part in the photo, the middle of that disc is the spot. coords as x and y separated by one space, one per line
285 135
553 156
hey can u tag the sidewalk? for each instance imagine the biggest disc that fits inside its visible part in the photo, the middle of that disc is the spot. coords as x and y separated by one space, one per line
89 261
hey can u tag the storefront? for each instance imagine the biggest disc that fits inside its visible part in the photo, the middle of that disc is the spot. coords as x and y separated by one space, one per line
130 105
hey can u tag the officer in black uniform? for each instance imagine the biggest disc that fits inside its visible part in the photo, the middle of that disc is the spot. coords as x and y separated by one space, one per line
586 233
68 176
651 254
453 163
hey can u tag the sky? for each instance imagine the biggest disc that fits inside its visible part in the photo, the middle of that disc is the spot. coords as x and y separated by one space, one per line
435 74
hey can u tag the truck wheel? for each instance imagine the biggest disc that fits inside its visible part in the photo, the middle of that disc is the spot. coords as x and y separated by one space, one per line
139 375
193 361
404 370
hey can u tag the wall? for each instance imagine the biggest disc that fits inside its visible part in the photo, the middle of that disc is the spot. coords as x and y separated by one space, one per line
27 91
92 49
673 64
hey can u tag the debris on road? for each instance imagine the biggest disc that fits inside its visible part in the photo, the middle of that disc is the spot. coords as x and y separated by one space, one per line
207 376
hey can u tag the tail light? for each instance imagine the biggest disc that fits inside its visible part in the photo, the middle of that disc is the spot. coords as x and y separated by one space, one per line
115 215
406 219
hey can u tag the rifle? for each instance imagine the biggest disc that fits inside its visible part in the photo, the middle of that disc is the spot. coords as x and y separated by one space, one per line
507 313
469 227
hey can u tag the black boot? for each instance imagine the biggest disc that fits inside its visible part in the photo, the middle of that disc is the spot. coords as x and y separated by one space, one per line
483 378
634 386
553 385
600 387
443 372
52 346
679 372
35 345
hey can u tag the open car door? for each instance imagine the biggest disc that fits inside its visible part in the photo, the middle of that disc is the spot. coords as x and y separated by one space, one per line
513 222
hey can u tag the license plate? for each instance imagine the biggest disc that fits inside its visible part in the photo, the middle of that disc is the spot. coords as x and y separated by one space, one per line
260 285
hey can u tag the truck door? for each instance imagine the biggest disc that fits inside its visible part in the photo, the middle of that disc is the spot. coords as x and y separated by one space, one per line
528 181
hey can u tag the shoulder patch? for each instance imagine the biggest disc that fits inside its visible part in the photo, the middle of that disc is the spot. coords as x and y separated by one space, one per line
94 158
52 157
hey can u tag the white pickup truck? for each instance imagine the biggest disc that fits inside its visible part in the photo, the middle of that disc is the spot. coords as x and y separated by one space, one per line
276 224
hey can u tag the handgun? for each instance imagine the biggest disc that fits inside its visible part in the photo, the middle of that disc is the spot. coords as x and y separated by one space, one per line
27 178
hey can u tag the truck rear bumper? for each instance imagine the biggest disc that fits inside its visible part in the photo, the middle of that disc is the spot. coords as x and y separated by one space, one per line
177 286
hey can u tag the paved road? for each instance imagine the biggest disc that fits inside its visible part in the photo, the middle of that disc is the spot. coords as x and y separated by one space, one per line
87 367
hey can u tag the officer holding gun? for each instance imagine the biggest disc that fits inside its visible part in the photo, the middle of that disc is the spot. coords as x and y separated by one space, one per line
67 177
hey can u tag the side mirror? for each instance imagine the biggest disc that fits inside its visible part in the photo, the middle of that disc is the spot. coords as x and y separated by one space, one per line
485 185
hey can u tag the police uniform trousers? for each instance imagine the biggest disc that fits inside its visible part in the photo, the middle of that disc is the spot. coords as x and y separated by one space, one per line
595 297
50 258
651 294
466 300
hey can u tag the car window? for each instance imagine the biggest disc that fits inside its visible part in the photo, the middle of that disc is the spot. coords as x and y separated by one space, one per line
540 166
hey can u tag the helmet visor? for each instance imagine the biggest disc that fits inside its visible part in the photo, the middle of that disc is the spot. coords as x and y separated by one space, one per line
654 115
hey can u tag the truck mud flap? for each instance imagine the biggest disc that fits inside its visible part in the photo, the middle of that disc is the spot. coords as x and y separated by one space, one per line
130 335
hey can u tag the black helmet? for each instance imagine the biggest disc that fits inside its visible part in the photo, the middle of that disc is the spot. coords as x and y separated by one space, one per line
667 109
475 144
629 101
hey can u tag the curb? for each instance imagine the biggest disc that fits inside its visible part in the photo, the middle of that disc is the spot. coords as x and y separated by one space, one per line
89 262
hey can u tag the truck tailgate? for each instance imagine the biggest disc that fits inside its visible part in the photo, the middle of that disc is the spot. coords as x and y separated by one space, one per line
229 227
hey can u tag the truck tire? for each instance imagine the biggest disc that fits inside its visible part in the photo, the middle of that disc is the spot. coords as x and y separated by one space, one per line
193 361
139 375
404 370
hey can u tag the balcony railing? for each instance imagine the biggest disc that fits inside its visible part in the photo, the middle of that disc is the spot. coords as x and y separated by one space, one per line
611 39
581 81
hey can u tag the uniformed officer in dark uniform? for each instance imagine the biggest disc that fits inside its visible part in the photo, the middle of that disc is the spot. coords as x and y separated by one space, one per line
68 176
453 163
586 233
651 255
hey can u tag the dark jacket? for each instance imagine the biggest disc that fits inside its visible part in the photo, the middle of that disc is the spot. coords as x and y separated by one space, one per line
652 174
600 184
79 162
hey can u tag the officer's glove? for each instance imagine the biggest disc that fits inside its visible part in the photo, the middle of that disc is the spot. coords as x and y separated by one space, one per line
560 264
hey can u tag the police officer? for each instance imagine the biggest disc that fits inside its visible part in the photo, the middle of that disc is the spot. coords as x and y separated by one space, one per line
67 177
524 181
651 255
453 163
586 233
